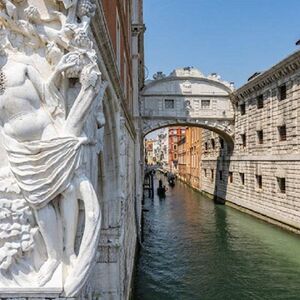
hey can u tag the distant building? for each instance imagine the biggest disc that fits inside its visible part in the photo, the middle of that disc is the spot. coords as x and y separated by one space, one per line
149 152
189 157
161 148
175 135
182 160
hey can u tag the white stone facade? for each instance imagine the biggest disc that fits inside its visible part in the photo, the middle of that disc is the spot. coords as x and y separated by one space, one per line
187 97
266 148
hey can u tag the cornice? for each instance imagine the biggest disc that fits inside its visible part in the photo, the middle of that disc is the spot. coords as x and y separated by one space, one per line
258 158
286 67
187 78
186 95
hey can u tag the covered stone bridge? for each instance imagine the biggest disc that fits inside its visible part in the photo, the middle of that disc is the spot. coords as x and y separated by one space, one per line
188 98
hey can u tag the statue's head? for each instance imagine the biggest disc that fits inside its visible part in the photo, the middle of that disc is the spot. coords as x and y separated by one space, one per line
81 39
79 61
69 30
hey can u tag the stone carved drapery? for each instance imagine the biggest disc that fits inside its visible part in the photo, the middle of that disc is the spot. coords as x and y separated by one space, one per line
49 85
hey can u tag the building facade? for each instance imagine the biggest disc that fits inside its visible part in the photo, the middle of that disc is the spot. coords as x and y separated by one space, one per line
119 29
150 155
189 157
261 174
174 136
256 170
162 148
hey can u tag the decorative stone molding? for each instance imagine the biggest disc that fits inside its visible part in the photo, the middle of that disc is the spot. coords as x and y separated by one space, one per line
285 68
137 29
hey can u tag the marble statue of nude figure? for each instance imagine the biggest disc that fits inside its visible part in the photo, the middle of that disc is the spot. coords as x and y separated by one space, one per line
24 118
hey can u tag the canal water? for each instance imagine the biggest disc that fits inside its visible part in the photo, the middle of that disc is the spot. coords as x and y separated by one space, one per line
194 249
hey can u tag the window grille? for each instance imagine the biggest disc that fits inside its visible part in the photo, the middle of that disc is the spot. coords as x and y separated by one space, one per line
169 104
260 101
259 181
282 92
282 133
242 177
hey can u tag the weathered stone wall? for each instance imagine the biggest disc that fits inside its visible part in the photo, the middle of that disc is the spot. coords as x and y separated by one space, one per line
128 216
270 158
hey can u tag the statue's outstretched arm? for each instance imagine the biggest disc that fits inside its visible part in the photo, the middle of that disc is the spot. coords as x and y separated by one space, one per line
92 88
79 111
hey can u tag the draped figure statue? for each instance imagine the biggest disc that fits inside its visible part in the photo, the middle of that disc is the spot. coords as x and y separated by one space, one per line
43 138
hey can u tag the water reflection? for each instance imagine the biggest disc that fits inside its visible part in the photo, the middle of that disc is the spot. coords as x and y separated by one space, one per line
194 249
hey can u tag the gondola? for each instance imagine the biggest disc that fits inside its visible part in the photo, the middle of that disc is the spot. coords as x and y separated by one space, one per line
161 190
171 182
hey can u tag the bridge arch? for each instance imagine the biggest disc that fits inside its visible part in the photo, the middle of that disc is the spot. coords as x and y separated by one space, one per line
188 98
224 130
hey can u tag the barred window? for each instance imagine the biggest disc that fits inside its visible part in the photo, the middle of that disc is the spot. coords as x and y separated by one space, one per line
243 138
205 104
260 137
259 181
281 184
242 178
282 132
282 92
260 101
230 177
169 103
243 108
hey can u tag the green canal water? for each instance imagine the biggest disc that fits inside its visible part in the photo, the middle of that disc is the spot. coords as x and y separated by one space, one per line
194 249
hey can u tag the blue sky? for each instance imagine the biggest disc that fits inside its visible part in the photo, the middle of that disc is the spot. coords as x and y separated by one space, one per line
234 38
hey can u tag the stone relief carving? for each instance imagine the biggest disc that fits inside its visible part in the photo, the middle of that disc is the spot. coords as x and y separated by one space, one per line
186 87
49 83
188 107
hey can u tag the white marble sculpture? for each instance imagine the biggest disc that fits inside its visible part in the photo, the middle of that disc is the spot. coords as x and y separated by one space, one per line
49 83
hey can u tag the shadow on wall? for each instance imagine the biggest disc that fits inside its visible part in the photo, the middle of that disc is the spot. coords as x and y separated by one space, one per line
223 175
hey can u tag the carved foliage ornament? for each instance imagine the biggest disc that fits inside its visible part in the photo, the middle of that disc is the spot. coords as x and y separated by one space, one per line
49 84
